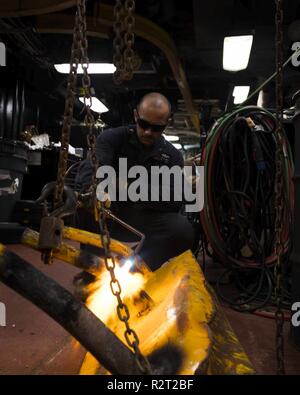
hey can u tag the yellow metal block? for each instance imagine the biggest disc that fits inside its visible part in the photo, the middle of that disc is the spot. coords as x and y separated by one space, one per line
181 310
227 355
185 312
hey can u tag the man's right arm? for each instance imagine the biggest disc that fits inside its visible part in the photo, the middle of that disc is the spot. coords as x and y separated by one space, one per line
108 145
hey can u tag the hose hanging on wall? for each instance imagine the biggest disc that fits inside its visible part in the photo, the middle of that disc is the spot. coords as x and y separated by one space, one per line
238 215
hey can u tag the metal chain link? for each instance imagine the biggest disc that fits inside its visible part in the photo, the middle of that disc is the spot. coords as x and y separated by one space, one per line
79 54
47 255
125 59
122 310
131 336
68 113
118 43
129 39
279 191
88 91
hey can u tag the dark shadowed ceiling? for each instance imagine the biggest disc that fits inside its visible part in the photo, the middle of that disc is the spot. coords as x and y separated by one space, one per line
197 27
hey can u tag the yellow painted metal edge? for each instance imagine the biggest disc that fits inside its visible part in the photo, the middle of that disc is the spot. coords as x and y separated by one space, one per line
85 237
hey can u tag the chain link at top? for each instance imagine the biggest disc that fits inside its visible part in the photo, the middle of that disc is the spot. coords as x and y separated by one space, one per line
129 39
125 59
118 43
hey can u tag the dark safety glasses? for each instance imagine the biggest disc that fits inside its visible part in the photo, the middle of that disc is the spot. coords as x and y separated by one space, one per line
145 125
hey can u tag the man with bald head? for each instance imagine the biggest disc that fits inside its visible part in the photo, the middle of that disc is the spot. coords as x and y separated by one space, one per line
153 109
167 231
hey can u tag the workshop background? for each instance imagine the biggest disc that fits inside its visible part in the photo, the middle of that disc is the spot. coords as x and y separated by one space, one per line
178 51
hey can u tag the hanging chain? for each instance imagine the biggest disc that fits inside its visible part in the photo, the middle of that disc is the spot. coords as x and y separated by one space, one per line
131 336
79 54
279 191
129 39
88 91
122 309
68 113
125 59
118 43
47 254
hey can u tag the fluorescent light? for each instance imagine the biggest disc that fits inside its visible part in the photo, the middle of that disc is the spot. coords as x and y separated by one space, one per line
240 94
97 105
94 68
236 52
171 138
177 146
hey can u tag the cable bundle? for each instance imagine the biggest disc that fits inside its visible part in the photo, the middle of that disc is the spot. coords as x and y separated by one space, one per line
239 212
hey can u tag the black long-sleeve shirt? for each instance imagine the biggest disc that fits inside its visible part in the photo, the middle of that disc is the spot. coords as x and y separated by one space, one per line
123 142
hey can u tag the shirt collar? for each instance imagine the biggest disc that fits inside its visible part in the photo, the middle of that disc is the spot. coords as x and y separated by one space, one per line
133 139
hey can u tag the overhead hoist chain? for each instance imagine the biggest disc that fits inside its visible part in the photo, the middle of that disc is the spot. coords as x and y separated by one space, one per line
69 106
50 235
130 335
125 59
129 39
79 55
279 191
118 42
87 91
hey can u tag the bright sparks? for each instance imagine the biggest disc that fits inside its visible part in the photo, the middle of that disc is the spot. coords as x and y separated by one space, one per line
101 300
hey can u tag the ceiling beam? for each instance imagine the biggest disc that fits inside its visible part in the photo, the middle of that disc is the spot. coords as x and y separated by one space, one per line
18 8
64 24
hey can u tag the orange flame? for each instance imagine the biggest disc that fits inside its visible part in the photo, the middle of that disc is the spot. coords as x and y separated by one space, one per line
102 302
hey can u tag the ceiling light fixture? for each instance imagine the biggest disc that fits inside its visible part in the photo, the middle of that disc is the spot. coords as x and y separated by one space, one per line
94 68
236 52
97 105
240 94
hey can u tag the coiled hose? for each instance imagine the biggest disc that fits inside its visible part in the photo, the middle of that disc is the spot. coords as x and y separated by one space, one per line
239 211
